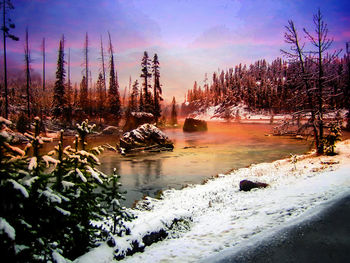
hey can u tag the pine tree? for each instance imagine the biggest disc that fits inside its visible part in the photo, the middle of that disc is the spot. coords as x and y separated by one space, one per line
157 90
113 94
48 205
133 97
173 119
59 101
100 94
146 74
83 99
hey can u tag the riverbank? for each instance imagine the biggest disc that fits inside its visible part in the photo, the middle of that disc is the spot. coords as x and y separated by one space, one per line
217 216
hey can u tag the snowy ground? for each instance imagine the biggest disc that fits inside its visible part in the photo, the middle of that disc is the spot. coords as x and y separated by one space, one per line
220 216
246 116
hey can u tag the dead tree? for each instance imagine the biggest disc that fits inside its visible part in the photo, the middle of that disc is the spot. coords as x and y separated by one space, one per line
27 61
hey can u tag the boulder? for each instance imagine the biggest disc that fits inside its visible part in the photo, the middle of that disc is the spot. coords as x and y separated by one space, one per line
193 125
135 119
246 185
146 137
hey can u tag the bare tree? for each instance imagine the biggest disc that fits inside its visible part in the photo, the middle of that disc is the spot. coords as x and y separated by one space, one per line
27 61
311 69
43 54
6 5
103 71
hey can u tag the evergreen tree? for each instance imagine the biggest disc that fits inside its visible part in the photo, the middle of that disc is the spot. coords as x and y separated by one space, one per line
83 94
134 95
48 205
146 74
157 90
59 101
113 95
173 117
141 105
100 94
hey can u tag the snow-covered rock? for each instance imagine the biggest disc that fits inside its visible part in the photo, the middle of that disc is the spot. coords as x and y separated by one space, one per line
145 137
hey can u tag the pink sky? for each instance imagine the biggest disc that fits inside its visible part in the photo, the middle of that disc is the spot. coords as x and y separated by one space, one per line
191 38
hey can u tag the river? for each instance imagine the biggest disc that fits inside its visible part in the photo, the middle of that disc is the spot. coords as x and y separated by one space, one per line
198 156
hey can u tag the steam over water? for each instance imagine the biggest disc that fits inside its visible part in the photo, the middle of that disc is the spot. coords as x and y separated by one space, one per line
198 156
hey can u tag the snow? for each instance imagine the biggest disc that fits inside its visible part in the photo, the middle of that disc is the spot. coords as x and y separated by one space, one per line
94 174
66 185
19 187
220 216
103 254
58 258
62 211
142 114
32 163
47 159
143 133
82 177
242 113
7 228
50 195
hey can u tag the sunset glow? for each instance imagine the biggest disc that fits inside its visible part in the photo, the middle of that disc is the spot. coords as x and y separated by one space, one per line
190 37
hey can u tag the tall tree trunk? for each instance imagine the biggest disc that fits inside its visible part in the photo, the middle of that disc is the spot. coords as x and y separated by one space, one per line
43 50
320 149
27 60
5 61
103 71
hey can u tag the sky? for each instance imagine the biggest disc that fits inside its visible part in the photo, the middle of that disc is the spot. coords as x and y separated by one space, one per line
191 37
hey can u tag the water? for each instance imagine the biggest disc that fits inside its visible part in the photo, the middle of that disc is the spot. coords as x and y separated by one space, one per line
197 156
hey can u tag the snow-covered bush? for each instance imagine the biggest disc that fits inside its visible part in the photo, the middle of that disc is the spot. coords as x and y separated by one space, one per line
50 203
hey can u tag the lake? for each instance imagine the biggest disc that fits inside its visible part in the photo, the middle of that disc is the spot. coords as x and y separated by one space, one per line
197 156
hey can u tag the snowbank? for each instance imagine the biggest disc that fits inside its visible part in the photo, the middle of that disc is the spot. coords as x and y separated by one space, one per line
238 112
242 114
220 216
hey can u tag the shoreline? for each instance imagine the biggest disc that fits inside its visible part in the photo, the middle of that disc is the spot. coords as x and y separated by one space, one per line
216 218
320 235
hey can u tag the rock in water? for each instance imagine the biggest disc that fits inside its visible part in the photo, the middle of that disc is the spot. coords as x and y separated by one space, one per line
146 137
247 185
135 119
192 125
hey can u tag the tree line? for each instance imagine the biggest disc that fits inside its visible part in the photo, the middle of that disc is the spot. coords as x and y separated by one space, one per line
310 82
66 102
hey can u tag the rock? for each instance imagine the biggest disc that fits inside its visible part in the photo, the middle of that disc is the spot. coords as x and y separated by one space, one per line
111 130
146 137
15 137
247 185
192 125
135 119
